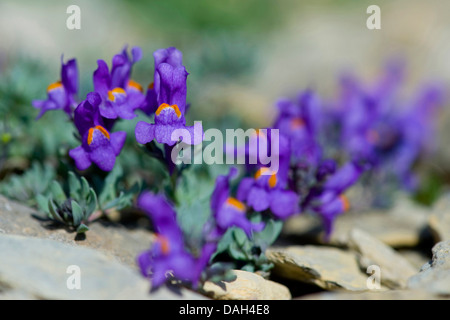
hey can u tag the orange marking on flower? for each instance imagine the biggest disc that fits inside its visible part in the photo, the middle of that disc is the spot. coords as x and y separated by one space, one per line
151 86
164 243
273 177
91 133
111 93
135 85
165 106
54 85
261 171
273 181
345 202
373 136
297 123
236 204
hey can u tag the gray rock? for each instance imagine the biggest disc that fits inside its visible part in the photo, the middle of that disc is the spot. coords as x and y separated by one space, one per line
326 267
439 220
247 286
434 276
112 239
402 226
395 270
415 257
38 268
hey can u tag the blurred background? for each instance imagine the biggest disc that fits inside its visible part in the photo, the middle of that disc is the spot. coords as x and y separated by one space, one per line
241 56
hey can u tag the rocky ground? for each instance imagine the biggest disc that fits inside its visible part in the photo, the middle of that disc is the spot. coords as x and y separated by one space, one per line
409 246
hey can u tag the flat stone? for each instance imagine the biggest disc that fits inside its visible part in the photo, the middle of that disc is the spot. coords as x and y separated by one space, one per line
415 257
434 276
400 227
439 220
395 270
110 238
247 286
374 295
326 267
38 268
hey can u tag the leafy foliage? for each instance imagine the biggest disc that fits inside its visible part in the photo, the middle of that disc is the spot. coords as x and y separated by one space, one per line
26 187
73 210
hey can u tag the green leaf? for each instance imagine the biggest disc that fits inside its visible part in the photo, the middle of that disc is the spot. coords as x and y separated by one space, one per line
77 213
57 192
42 202
270 233
74 185
53 212
239 236
82 228
91 204
84 188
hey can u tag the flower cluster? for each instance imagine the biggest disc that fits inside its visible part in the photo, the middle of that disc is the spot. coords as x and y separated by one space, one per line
321 150
117 96
170 253
376 127
306 181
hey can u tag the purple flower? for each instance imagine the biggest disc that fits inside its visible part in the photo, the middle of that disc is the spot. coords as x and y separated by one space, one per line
388 135
300 122
98 145
267 190
170 97
61 95
173 58
228 211
120 95
168 253
329 200
168 119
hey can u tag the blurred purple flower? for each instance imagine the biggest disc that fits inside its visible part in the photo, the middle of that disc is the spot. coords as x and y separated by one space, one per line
328 200
268 190
300 122
168 253
388 135
61 95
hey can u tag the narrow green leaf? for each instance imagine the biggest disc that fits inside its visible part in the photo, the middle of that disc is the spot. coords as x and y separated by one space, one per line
91 204
74 185
42 203
84 189
57 192
82 228
77 213
53 212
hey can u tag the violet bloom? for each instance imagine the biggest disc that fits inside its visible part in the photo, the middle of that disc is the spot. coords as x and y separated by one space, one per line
329 200
300 122
267 189
228 211
168 253
388 135
170 89
61 95
174 58
98 145
120 95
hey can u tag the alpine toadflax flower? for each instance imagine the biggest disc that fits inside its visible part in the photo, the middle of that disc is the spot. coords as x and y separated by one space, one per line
121 96
168 253
170 97
98 144
61 95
